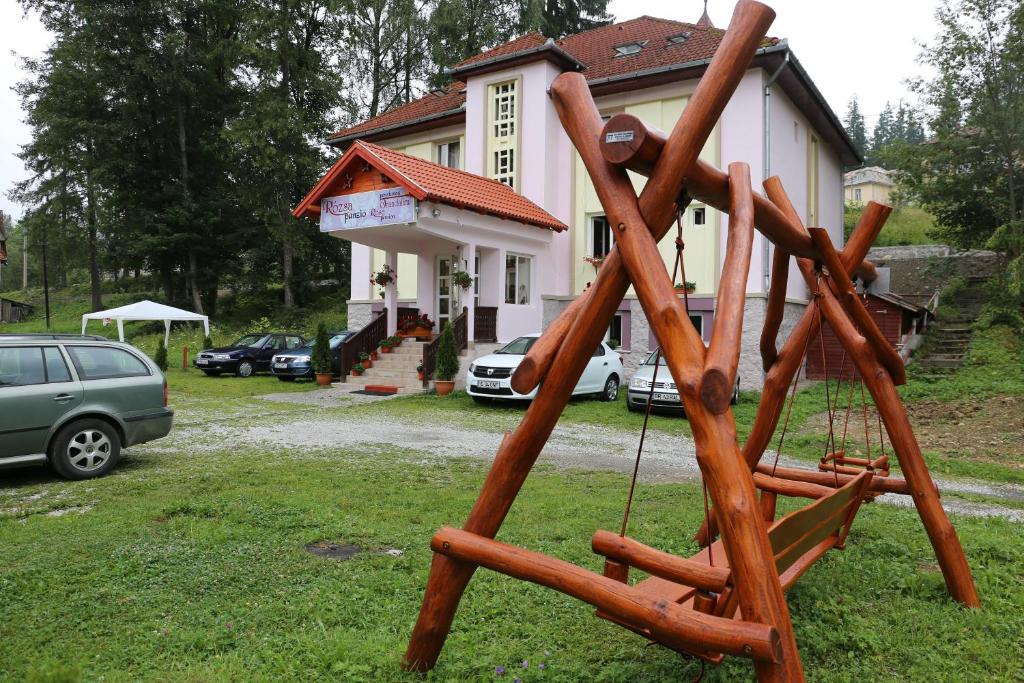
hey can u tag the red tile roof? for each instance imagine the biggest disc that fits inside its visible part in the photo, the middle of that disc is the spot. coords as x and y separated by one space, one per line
523 42
428 181
594 48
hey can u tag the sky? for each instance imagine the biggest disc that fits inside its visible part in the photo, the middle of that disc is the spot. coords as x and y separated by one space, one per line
868 48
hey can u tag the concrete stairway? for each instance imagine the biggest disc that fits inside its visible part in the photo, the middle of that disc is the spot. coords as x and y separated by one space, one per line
395 369
949 339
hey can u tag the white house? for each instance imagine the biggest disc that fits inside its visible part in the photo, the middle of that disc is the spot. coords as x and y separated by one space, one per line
526 245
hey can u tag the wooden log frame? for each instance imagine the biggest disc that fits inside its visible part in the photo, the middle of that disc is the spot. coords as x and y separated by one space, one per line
766 630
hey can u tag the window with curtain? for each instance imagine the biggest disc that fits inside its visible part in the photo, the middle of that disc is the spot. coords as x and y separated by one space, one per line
517 279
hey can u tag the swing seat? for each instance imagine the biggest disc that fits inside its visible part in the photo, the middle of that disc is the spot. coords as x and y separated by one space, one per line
798 540
841 463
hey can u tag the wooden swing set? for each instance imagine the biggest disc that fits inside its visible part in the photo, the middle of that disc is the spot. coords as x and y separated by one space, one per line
729 598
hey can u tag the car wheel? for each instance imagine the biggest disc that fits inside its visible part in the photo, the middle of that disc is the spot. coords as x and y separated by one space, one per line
611 389
285 379
245 368
211 373
84 449
482 400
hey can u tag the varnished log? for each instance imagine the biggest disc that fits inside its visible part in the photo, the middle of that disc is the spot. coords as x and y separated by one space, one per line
723 356
729 481
653 561
775 309
536 362
854 307
673 624
792 489
878 484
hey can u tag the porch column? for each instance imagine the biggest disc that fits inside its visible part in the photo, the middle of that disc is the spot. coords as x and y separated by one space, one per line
391 292
469 254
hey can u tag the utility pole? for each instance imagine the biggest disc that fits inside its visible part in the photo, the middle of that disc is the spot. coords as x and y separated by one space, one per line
24 262
46 283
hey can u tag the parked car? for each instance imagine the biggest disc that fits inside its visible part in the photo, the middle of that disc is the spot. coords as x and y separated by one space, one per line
489 377
75 401
297 363
666 396
249 355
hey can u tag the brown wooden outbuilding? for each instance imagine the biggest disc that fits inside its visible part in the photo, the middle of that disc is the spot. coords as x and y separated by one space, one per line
896 317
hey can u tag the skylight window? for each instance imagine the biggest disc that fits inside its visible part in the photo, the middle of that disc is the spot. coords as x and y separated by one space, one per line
629 49
679 38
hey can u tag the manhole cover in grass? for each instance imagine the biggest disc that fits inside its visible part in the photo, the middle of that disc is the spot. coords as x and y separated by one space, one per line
334 551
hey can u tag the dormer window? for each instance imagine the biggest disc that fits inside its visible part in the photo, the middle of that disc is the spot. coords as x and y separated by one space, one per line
627 49
678 38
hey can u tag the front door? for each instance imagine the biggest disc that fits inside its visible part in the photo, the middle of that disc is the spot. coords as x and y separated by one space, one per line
447 295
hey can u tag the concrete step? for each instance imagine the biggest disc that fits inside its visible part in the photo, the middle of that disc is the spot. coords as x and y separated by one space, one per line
348 386
363 380
397 362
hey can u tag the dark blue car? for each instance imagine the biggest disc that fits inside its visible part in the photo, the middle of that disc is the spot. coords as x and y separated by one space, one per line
288 365
249 355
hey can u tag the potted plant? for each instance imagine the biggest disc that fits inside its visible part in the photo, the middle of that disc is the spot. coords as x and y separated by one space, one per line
417 326
688 287
462 279
385 345
419 371
447 362
396 341
383 277
373 354
365 360
358 369
322 361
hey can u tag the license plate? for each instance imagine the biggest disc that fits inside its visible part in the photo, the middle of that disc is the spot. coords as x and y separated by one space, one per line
281 366
665 397
488 384
202 361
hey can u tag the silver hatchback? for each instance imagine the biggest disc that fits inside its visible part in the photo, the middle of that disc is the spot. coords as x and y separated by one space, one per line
666 396
75 401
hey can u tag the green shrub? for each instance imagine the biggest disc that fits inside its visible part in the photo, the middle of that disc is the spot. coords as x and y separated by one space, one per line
161 357
322 351
207 342
447 356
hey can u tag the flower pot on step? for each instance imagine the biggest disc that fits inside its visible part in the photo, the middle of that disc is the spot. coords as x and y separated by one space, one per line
324 378
444 388
385 349
419 375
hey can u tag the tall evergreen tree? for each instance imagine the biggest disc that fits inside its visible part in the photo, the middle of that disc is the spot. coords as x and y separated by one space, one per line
855 128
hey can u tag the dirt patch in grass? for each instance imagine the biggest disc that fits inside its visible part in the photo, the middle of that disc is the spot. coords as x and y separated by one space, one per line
981 430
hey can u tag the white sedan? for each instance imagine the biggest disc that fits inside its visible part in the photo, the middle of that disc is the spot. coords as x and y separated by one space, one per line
490 376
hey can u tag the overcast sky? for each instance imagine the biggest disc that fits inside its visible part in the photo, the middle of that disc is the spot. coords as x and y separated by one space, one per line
869 48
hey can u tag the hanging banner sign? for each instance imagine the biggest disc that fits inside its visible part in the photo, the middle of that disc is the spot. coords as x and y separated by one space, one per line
367 209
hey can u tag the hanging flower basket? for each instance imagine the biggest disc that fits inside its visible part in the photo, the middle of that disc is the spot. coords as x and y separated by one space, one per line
688 287
462 279
383 277
595 261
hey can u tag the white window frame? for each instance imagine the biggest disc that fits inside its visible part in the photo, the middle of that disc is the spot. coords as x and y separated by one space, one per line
591 246
502 131
529 284
442 153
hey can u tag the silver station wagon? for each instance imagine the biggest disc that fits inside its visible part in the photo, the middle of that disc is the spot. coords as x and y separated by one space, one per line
75 401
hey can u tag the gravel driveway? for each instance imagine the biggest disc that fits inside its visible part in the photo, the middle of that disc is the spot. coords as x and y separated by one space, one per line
666 458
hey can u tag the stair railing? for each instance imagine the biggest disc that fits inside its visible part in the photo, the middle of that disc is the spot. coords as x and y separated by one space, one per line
460 328
363 341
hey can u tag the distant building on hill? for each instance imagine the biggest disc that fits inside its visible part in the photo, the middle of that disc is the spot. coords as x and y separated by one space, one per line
870 184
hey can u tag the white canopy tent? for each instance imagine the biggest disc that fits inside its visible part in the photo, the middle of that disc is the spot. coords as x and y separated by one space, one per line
146 310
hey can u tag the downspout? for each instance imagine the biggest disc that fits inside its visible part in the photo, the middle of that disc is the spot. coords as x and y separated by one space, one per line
767 116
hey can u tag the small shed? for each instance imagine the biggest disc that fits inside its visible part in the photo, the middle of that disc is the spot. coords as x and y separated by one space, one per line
898 319
13 311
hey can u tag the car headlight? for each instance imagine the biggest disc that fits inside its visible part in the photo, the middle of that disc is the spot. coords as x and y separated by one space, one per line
222 356
472 369
639 383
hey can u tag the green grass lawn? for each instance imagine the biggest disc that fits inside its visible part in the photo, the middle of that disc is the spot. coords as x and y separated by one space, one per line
193 568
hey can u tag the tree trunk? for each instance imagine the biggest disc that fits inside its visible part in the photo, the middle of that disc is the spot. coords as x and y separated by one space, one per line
90 218
193 278
286 268
167 279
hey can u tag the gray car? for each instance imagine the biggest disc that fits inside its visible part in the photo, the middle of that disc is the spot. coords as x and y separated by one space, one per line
76 401
666 396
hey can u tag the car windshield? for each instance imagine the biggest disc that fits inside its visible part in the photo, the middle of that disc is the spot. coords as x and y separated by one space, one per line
656 356
518 347
251 340
335 342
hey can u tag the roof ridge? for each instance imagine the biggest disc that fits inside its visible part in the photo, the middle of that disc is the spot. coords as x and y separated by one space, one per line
451 169
604 27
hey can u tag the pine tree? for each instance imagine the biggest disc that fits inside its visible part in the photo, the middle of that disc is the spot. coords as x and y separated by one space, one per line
855 127
161 357
447 356
321 357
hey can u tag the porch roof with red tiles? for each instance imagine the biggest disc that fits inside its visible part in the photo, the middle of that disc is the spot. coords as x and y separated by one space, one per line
427 181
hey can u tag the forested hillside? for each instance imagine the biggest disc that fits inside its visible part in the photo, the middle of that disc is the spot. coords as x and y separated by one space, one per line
172 137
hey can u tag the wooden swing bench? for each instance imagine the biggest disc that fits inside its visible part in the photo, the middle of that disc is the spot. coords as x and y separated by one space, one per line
688 605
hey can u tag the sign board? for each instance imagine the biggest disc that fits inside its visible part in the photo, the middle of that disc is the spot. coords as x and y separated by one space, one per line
367 209
619 136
